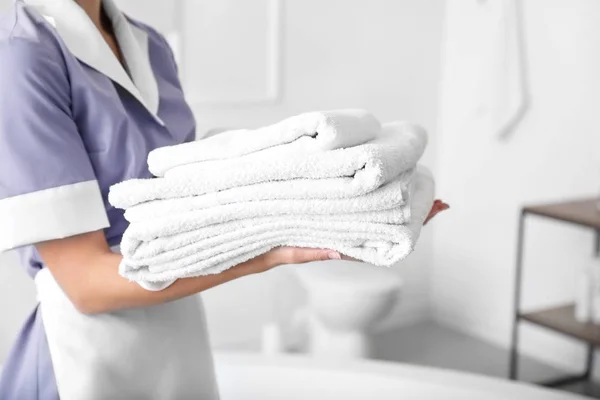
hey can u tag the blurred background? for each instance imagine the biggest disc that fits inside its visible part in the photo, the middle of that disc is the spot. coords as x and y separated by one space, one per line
509 96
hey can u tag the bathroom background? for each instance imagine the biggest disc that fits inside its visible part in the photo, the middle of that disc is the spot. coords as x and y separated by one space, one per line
251 63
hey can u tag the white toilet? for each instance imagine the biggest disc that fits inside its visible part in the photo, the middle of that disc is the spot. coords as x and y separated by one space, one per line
346 300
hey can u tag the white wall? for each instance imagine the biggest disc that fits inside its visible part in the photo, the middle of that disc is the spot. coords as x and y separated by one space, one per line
553 155
377 54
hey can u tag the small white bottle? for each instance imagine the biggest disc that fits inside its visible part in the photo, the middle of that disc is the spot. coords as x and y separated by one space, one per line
595 307
272 341
594 272
584 295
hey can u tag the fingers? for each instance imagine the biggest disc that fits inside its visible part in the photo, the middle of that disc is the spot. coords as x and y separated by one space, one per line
437 207
299 255
308 255
440 205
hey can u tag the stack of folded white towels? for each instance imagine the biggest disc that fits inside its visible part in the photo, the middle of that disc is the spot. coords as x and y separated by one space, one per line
335 180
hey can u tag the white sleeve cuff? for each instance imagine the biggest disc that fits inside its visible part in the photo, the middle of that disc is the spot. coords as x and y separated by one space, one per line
53 213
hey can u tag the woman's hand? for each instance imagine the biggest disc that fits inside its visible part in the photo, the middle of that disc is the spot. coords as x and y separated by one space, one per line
438 207
287 255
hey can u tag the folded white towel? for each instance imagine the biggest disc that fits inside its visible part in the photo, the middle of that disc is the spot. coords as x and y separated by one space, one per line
333 174
149 229
214 248
314 131
222 205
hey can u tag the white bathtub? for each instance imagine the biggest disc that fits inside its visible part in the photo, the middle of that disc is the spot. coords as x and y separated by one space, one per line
259 377
245 376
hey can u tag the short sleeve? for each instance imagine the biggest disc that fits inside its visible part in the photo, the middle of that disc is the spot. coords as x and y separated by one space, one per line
48 189
167 46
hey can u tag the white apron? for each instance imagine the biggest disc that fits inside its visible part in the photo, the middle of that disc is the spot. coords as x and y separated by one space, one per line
152 353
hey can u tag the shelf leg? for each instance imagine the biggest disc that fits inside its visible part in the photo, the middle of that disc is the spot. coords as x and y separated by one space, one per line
589 368
514 353
589 364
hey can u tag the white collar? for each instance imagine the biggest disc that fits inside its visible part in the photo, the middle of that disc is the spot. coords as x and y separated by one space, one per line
83 39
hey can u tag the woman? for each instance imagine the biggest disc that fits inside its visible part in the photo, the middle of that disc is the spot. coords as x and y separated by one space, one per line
85 95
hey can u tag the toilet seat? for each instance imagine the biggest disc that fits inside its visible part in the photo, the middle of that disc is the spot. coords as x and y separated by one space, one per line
346 300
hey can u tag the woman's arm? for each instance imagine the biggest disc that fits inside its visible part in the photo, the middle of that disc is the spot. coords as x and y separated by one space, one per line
87 271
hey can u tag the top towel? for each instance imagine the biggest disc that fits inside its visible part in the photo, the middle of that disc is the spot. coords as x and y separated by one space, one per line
309 132
280 173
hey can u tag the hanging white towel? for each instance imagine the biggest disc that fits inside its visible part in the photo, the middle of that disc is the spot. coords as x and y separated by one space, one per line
285 174
214 248
484 63
309 132
506 84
